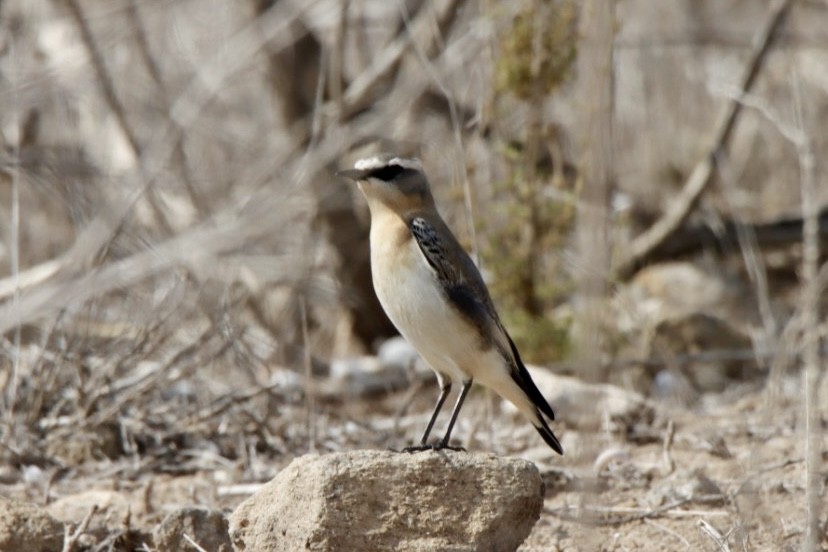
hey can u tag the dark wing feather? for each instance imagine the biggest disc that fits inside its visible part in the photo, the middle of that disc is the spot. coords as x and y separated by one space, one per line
462 283
434 250
456 273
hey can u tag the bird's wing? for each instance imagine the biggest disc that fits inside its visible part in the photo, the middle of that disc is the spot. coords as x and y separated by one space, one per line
436 251
458 277
465 289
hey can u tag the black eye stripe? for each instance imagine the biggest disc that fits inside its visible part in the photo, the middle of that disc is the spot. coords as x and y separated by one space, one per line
387 173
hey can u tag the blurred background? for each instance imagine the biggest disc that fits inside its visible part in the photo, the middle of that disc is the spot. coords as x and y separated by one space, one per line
185 287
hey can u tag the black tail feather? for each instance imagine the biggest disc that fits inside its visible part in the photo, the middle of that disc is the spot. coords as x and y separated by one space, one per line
521 376
548 436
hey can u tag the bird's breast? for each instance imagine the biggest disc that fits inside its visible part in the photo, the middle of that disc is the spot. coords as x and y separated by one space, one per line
405 284
413 299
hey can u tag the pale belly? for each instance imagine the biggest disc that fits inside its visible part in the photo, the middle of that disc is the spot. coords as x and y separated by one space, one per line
415 304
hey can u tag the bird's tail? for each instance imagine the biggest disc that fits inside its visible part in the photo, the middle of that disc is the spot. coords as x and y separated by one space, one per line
520 375
548 436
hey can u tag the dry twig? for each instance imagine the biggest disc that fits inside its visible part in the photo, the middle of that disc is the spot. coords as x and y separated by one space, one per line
154 71
811 292
667 458
193 543
667 530
106 83
360 92
620 516
713 533
702 174
70 538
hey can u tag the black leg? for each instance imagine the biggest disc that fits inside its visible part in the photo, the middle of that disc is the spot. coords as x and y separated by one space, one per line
444 442
445 389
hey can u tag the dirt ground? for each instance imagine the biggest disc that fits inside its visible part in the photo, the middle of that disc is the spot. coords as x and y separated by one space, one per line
731 478
726 474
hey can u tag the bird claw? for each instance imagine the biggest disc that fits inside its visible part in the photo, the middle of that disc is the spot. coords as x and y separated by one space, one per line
435 447
416 448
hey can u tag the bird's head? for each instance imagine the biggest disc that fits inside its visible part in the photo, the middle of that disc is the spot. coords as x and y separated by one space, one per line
393 182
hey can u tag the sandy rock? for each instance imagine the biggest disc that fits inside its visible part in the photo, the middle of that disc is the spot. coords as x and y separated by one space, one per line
73 508
379 500
207 528
24 526
691 324
398 352
587 406
9 475
668 290
363 376
709 352
394 367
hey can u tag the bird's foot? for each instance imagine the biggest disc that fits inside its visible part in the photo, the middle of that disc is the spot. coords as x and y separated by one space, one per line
417 448
440 445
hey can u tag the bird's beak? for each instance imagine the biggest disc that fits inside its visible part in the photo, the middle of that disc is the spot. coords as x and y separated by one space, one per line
353 174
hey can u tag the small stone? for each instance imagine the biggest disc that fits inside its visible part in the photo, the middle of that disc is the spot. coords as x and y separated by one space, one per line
363 376
207 528
686 343
9 475
24 526
398 352
73 508
587 406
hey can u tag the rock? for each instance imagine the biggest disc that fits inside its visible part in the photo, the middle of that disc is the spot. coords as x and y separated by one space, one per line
586 406
394 368
708 351
668 384
398 352
207 528
111 504
35 475
380 500
9 475
24 526
667 290
694 485
74 447
360 376
688 322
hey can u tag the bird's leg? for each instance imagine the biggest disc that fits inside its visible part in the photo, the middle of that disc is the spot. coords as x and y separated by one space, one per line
445 389
444 442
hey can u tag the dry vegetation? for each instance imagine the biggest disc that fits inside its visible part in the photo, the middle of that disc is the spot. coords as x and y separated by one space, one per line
185 283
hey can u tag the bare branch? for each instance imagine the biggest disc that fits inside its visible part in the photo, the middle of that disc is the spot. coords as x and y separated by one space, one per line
71 537
811 291
107 87
713 533
595 67
154 71
104 79
701 176
360 92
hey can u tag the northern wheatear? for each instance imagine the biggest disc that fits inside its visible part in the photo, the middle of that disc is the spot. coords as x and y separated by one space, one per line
435 296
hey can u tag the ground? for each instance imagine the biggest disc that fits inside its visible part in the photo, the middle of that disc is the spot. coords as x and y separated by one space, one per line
724 474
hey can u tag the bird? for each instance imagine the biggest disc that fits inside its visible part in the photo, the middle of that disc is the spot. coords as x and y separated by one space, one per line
434 295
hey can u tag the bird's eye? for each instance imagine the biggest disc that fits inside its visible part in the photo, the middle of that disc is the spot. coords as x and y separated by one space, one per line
387 173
